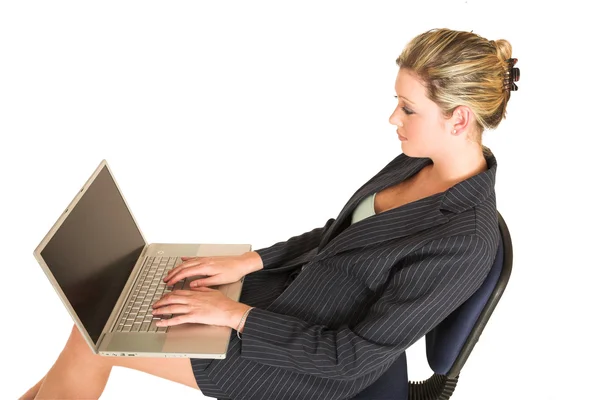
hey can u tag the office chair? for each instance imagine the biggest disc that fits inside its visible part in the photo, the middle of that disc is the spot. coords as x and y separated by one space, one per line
450 343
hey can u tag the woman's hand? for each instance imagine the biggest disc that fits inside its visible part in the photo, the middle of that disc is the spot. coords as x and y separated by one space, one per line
218 270
202 305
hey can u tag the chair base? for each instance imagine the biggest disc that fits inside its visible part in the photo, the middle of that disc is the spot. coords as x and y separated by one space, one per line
437 387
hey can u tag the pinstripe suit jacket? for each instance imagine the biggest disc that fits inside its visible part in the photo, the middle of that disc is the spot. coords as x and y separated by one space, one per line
367 291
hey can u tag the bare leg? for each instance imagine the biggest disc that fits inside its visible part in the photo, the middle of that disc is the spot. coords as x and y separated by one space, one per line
80 374
31 393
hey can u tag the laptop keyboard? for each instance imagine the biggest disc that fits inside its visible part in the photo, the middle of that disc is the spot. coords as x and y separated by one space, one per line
137 314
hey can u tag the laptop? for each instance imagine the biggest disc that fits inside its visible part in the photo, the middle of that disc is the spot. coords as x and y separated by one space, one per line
108 277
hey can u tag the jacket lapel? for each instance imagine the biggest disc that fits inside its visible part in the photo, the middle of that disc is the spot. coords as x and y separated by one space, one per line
399 169
395 223
409 218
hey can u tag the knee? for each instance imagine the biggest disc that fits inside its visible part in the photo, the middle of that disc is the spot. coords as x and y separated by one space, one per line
77 341
79 348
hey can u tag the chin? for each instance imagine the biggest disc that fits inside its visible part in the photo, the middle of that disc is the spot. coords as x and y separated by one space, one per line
411 151
408 150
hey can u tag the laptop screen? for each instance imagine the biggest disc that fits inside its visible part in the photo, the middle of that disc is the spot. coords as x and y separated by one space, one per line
93 252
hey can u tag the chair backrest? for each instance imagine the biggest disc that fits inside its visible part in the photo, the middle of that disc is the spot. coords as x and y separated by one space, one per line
450 343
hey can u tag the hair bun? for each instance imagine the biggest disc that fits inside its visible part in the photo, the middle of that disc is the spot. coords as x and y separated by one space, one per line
503 49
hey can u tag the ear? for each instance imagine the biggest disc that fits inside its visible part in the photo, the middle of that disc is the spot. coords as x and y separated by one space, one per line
460 120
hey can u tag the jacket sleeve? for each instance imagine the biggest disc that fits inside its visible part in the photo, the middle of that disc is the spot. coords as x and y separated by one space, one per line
295 246
422 291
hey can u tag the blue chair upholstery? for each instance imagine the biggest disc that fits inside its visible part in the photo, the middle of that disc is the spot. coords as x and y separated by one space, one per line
445 342
449 344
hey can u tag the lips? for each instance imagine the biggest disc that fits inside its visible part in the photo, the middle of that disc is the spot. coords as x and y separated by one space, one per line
400 136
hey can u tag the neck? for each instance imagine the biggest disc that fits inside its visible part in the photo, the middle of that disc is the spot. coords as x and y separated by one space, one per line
454 167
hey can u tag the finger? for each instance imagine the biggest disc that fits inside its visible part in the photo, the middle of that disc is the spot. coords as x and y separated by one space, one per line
203 289
178 320
210 281
173 271
171 298
186 273
180 267
180 292
172 309
187 263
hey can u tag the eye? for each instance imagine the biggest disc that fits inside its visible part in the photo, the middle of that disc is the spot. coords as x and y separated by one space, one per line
407 111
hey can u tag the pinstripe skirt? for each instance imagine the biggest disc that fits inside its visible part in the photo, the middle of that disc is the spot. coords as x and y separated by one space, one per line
260 290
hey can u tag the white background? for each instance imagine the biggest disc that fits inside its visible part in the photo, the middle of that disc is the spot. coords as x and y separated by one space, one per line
201 110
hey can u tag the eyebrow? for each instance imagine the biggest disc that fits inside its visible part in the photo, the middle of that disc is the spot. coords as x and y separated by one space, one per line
406 99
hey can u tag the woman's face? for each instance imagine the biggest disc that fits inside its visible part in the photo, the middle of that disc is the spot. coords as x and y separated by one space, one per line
421 127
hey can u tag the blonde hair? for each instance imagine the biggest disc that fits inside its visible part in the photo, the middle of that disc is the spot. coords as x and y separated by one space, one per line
461 68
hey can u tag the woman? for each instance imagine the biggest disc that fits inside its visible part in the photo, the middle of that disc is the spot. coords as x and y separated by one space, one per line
324 314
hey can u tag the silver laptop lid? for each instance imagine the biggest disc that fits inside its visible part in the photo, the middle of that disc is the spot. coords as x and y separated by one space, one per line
91 250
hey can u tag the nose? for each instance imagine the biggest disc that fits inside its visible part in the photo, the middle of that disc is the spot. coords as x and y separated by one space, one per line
395 118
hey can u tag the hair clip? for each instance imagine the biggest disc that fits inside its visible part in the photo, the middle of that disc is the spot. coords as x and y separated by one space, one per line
512 75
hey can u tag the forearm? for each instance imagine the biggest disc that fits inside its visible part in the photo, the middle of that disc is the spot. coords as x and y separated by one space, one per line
287 342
